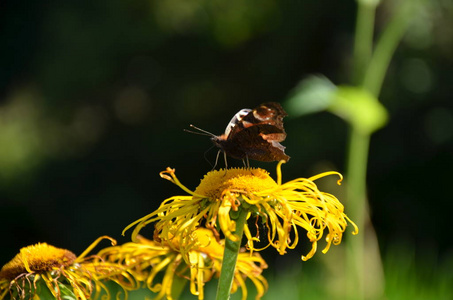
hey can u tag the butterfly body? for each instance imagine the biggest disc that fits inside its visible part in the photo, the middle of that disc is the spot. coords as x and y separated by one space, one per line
255 134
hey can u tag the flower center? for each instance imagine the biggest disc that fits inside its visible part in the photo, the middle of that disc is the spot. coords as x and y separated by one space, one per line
237 179
37 258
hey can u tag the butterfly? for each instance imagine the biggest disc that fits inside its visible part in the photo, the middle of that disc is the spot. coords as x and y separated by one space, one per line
253 134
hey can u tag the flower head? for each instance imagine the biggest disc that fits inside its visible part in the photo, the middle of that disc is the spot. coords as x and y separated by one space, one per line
61 271
149 258
282 207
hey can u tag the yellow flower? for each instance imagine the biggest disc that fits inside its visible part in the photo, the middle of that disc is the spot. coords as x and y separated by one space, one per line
149 258
283 208
65 275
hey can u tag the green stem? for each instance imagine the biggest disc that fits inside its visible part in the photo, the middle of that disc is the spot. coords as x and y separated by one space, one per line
389 40
179 283
356 174
358 155
230 256
363 42
371 68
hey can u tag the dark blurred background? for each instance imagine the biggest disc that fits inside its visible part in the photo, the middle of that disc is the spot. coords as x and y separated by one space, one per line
94 97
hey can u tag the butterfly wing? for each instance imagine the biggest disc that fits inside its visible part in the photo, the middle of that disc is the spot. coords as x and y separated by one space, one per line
237 118
258 133
253 142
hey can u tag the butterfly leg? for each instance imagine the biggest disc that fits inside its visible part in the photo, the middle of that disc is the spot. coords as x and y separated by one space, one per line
225 158
216 160
246 162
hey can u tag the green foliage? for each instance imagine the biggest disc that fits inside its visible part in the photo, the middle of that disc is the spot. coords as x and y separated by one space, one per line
406 278
230 23
417 278
359 108
311 95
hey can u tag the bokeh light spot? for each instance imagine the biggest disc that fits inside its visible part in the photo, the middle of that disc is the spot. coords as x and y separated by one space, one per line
416 76
438 125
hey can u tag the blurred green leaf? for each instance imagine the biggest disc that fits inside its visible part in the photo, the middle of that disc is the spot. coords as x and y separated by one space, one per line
355 105
311 95
359 108
66 292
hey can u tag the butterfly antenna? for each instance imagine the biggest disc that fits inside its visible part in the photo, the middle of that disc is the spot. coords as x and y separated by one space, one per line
201 131
195 132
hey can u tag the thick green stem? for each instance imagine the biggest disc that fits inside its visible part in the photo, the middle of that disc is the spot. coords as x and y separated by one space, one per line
358 155
356 174
369 72
230 256
363 42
